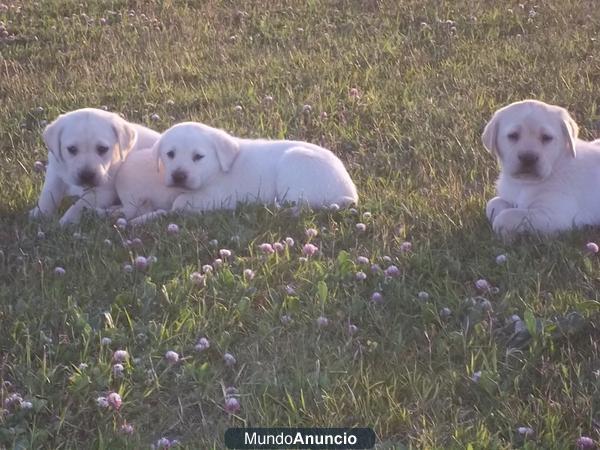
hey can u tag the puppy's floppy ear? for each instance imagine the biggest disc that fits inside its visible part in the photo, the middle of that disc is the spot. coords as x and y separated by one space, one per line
156 154
490 134
51 135
570 130
227 149
126 135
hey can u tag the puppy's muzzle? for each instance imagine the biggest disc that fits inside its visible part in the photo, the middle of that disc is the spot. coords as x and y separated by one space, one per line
87 178
528 160
528 164
179 177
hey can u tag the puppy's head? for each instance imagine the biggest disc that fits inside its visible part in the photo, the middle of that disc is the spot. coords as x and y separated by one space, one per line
86 143
530 138
193 154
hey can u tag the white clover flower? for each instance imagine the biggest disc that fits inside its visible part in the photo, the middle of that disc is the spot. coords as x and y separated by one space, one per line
311 232
118 370
405 247
197 278
140 263
310 249
127 428
445 313
39 167
114 400
232 405
376 297
392 272
172 357
482 285
229 359
322 321
26 405
360 276
173 229
203 344
266 248
285 319
120 356
423 296
362 260
525 431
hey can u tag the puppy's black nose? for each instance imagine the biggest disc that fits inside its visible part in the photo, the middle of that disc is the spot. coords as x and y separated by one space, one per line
528 159
179 177
87 177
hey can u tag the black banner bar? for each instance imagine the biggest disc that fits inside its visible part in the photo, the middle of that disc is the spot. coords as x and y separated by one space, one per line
299 438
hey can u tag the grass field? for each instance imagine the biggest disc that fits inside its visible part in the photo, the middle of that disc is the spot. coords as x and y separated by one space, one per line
436 370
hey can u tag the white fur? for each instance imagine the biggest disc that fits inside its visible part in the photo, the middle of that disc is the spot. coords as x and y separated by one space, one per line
559 191
222 170
87 131
142 188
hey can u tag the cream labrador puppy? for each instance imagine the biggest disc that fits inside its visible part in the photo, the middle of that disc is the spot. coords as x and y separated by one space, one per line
201 168
549 179
86 147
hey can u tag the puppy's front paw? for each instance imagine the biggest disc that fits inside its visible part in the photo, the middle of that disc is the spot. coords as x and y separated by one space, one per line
494 207
148 217
510 223
70 217
35 213
182 204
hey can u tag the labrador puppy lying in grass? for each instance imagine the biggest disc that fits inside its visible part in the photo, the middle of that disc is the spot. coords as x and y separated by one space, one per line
549 179
201 168
86 147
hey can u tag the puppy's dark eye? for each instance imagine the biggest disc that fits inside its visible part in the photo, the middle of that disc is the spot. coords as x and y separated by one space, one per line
102 149
197 157
514 136
546 138
171 154
72 149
